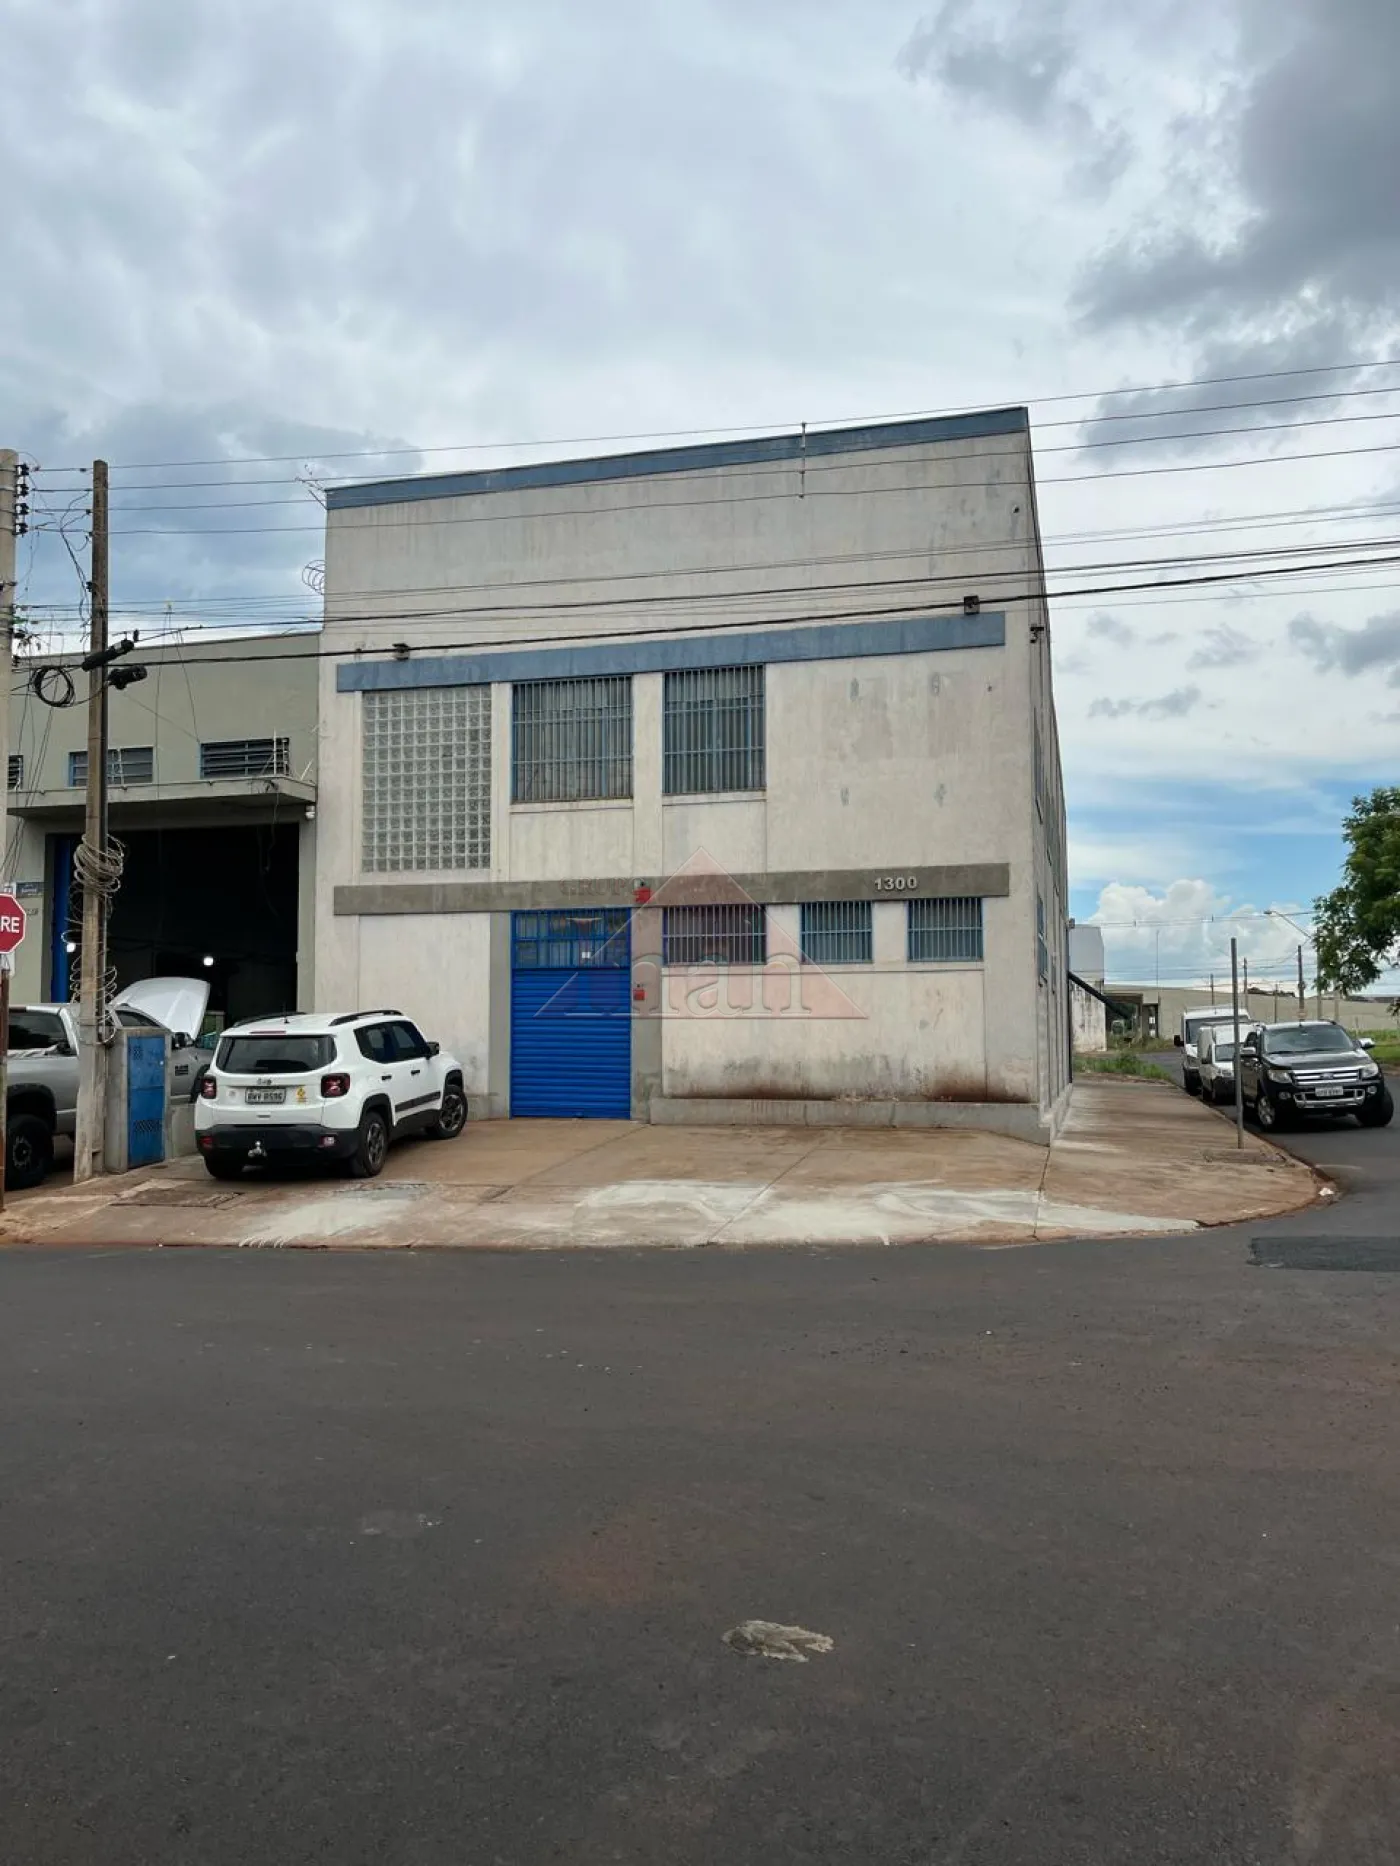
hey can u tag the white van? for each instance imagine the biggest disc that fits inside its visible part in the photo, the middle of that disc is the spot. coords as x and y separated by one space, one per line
1192 1024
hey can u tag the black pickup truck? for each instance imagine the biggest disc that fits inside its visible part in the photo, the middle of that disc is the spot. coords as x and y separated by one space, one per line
1291 1071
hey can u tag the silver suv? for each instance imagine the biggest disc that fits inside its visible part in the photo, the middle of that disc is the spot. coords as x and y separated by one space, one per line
325 1087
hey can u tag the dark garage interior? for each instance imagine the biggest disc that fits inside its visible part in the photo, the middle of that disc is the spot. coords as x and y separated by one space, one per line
227 894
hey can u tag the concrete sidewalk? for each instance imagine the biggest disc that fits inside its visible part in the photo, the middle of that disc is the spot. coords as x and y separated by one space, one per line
1133 1159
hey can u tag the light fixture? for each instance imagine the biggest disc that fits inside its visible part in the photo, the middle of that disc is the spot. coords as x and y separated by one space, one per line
209 958
70 945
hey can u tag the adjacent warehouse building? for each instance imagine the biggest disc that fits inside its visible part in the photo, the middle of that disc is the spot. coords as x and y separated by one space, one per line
212 772
718 782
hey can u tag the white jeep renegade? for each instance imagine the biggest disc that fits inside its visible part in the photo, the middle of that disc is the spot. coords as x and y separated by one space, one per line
332 1088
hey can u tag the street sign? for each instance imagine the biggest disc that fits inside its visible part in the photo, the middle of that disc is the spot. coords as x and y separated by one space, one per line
12 923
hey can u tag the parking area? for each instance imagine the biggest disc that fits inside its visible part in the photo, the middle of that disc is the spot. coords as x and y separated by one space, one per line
1131 1159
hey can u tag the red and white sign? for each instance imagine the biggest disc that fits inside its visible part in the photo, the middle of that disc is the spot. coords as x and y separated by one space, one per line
12 923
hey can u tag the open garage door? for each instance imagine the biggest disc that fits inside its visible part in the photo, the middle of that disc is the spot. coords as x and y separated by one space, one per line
226 895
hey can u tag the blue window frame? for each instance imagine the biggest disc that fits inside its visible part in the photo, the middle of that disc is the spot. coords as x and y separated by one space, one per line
945 930
836 933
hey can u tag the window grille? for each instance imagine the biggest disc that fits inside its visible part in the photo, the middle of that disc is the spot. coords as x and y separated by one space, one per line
730 935
573 939
944 930
426 796
15 775
836 933
571 739
126 764
236 758
713 731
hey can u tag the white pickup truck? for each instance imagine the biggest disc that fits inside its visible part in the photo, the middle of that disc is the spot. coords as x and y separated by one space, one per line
41 1101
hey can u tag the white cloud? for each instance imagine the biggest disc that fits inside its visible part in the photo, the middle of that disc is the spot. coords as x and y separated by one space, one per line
1181 935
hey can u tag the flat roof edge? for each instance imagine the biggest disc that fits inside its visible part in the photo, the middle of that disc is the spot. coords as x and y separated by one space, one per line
795 445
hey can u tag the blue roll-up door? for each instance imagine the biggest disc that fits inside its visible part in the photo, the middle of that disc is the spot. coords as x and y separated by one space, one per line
571 1015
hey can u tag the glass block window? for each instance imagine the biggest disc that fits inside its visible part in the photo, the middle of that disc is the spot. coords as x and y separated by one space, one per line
836 933
571 739
426 797
126 764
239 758
946 930
713 731
15 775
729 935
574 939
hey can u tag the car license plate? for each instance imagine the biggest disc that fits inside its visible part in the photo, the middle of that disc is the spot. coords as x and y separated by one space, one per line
266 1097
1328 1092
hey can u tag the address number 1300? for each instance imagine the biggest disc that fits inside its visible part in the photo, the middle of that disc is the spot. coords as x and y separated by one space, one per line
896 884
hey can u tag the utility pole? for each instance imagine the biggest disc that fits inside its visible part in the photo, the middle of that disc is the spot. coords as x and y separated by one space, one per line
1302 991
1235 1002
10 521
89 1144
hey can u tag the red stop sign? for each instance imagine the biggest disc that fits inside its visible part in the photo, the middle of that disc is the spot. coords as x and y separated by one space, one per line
12 920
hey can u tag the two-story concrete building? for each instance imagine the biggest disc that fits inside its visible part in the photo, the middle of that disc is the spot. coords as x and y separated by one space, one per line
711 783
212 772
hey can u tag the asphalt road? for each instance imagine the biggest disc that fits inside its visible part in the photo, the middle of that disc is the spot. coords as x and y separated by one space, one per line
418 1559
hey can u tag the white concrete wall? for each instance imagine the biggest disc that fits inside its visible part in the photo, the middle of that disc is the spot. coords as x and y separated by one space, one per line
436 969
919 1035
1089 1021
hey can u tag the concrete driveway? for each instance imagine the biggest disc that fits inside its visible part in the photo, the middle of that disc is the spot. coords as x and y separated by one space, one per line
1132 1159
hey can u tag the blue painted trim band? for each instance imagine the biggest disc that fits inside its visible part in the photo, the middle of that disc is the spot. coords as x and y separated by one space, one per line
766 448
836 641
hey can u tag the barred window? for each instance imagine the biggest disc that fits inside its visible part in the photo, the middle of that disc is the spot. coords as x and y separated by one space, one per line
571 739
944 930
426 795
238 758
126 764
713 731
15 775
836 933
730 935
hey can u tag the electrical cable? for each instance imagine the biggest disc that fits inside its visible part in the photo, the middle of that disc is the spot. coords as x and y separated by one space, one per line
657 507
740 429
846 615
767 468
1263 521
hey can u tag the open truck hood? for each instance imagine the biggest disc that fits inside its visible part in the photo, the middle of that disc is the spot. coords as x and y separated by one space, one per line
178 1003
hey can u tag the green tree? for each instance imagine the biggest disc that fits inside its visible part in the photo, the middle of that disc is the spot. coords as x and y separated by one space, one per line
1357 925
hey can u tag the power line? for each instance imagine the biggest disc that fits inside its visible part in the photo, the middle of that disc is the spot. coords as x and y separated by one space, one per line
818 492
768 469
1328 515
741 429
986 584
750 623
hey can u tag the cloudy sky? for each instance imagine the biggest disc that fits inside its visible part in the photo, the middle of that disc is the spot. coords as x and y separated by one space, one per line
318 227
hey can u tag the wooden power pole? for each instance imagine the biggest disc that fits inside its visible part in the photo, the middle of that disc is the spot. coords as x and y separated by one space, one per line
89 1145
1302 990
9 529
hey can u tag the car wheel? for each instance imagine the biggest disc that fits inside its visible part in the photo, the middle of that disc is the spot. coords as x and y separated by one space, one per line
1266 1113
1191 1082
452 1117
28 1152
1378 1113
371 1147
219 1166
